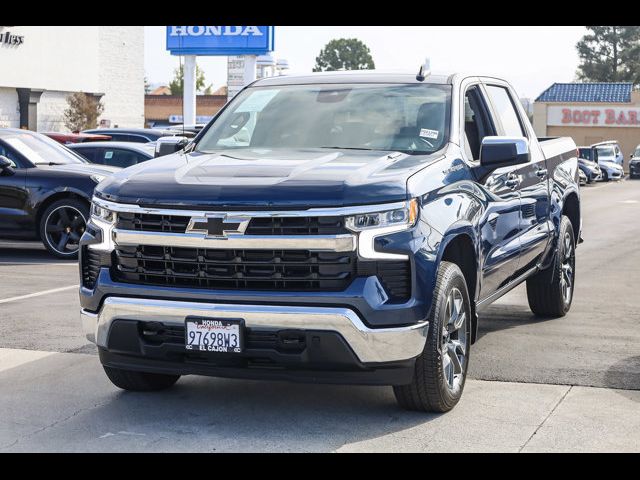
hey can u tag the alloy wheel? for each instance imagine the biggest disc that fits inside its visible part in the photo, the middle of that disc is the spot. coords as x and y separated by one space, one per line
567 267
454 340
64 227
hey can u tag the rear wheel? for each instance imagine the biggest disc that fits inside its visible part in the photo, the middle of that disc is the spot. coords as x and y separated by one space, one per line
550 291
139 381
61 226
441 368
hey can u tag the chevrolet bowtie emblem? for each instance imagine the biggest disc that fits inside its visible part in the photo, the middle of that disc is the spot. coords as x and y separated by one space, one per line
218 226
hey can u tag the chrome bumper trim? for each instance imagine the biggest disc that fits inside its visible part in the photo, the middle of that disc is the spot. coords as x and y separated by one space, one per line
310 212
325 243
369 344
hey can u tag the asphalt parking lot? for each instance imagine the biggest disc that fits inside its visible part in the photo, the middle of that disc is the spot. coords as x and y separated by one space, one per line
531 386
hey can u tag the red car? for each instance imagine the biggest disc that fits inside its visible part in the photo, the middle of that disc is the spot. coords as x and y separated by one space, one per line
66 138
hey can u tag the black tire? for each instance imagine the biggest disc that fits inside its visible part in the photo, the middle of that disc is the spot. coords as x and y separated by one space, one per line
430 390
605 176
545 292
77 213
139 381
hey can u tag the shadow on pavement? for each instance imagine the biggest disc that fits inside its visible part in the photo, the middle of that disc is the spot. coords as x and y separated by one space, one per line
30 253
624 374
205 414
503 316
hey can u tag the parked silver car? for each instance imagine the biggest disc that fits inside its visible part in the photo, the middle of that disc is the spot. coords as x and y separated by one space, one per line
609 158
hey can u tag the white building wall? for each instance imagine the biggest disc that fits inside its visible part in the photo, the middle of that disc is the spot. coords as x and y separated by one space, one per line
121 74
105 59
9 113
51 111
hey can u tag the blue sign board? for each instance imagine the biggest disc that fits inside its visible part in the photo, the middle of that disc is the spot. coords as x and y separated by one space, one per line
220 40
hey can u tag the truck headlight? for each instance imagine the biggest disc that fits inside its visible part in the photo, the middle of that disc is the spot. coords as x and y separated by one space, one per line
102 213
405 216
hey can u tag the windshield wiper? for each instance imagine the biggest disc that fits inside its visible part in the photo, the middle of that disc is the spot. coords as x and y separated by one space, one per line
49 164
351 148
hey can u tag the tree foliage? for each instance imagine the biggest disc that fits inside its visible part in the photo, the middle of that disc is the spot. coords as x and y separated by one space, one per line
610 54
82 112
344 54
177 84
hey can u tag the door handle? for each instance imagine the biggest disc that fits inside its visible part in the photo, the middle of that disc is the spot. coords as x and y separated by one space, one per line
541 172
512 181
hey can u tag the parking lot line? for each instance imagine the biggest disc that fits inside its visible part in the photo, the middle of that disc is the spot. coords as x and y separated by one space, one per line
37 294
40 263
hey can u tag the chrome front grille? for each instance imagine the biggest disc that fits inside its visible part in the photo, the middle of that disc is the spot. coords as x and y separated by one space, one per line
292 270
323 225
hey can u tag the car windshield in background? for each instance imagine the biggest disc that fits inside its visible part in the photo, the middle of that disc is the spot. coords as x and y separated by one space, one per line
411 118
605 153
41 150
637 152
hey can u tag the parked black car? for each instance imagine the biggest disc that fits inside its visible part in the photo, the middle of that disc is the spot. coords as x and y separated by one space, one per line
138 135
634 163
590 169
115 154
45 190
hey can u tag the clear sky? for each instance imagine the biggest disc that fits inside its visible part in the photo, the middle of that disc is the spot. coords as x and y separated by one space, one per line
531 58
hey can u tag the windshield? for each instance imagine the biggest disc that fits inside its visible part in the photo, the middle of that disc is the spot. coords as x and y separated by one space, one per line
41 150
605 153
637 152
392 117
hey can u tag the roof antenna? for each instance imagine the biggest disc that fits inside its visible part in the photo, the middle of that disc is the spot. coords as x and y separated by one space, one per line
425 70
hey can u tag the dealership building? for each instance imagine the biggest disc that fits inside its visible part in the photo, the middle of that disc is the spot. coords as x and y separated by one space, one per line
41 66
590 113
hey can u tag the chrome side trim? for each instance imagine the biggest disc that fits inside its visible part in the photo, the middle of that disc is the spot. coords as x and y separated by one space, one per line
369 344
311 212
325 243
366 243
510 286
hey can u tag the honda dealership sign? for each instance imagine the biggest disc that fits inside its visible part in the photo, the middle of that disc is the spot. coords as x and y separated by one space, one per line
219 40
589 116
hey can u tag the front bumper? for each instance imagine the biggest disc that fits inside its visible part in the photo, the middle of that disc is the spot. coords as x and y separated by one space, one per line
371 346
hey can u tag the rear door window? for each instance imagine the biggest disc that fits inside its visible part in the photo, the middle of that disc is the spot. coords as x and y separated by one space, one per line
117 157
505 109
88 153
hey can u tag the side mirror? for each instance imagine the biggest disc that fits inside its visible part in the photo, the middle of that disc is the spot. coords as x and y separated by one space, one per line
6 165
168 145
631 155
504 151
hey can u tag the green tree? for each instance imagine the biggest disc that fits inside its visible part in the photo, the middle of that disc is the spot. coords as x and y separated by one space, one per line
82 112
177 84
610 54
344 54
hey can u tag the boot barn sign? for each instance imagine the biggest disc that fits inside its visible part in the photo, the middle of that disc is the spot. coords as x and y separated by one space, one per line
588 116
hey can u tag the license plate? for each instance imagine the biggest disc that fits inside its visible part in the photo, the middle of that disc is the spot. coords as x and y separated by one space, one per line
214 335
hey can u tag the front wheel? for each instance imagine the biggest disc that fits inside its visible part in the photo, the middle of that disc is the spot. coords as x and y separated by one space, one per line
550 291
441 368
61 226
605 176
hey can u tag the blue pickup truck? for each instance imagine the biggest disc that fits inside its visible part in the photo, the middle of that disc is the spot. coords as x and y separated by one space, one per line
343 227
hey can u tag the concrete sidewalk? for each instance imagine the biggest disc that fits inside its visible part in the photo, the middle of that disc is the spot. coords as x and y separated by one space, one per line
63 402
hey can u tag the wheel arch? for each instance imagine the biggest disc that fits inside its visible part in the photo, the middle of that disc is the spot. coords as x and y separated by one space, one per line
54 197
459 247
571 208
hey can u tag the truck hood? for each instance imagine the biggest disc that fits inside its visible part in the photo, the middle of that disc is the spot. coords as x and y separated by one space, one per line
251 177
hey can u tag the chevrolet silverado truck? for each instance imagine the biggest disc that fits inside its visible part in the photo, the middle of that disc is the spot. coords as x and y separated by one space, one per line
342 227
